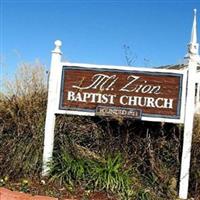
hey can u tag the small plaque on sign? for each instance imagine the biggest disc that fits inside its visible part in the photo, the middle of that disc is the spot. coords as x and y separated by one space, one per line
118 111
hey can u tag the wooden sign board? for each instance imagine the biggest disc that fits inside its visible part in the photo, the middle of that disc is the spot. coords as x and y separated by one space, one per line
154 94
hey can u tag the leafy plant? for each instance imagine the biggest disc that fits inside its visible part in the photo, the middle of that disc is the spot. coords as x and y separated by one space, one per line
67 169
143 195
24 186
3 181
111 176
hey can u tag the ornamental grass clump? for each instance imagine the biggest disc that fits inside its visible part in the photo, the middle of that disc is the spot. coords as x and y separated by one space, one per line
69 170
109 176
22 117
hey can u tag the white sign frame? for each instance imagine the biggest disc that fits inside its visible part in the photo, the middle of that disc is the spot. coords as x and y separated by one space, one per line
166 72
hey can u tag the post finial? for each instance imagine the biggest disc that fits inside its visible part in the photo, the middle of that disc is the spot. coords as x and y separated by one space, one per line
57 49
58 43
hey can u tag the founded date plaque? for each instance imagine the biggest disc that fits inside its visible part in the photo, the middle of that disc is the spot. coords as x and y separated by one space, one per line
118 112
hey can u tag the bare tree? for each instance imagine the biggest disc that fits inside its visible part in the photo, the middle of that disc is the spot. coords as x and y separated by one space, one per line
129 56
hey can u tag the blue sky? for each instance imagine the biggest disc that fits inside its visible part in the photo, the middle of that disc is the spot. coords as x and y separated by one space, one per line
94 31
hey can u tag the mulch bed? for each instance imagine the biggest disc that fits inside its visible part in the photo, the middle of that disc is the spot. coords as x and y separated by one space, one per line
45 188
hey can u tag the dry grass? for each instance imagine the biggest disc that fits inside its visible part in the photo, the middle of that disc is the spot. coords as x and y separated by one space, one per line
22 112
195 161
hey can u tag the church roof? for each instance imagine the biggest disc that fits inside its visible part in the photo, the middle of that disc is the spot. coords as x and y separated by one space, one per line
176 66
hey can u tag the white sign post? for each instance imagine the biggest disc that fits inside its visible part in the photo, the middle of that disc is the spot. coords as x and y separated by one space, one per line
52 105
192 58
188 129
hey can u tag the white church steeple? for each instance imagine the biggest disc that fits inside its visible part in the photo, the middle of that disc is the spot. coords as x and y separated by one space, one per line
193 46
194 29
